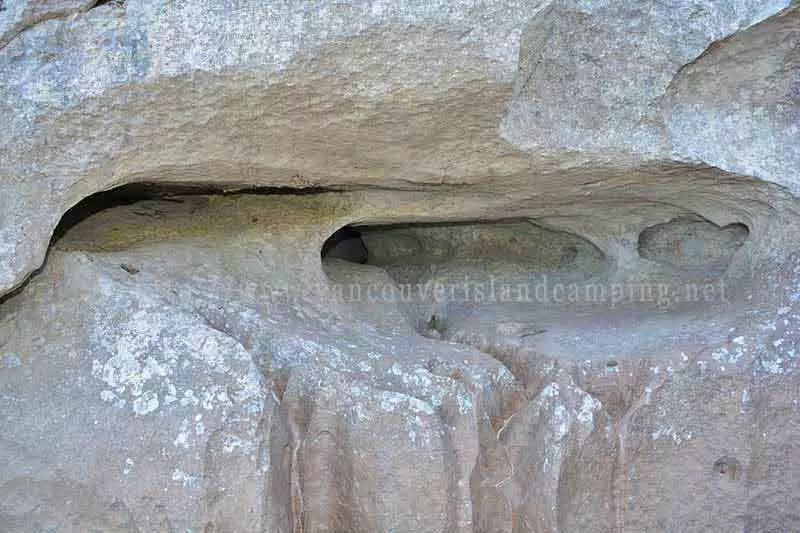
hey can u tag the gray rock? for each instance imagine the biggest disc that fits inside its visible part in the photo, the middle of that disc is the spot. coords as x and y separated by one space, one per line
16 16
303 95
592 74
189 363
507 341
737 106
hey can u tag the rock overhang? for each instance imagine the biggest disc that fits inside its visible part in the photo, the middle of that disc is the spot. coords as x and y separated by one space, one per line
363 96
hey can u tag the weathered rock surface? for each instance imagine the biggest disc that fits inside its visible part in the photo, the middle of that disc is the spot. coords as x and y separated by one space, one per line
592 74
742 96
17 16
190 364
521 266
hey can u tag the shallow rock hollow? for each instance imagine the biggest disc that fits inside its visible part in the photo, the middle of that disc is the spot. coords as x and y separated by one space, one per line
474 267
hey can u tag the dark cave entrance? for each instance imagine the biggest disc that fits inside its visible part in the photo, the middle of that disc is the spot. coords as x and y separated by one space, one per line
346 244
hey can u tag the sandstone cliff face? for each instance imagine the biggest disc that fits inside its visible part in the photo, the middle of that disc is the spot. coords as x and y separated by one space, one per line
457 267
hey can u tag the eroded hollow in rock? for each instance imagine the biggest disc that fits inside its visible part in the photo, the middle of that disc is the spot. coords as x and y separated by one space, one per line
692 244
565 286
503 249
515 282
157 201
346 244
455 279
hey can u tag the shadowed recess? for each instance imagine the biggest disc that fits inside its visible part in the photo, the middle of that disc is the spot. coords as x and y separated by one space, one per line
138 192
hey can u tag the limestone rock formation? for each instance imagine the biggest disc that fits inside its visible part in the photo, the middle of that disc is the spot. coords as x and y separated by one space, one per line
495 266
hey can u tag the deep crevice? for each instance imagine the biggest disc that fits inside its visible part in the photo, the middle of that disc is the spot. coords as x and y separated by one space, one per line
502 241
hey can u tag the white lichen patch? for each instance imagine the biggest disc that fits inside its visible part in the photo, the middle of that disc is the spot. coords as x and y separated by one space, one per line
107 396
128 468
190 432
560 413
731 354
146 403
775 349
234 444
464 402
589 405
182 439
395 401
199 426
550 391
504 377
187 481
146 360
677 435
189 399
745 399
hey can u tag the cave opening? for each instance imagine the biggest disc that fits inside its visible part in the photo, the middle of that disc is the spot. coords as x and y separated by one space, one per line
345 244
512 280
478 281
491 244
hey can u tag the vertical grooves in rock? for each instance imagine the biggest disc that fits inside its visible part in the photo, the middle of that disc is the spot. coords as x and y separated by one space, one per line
296 502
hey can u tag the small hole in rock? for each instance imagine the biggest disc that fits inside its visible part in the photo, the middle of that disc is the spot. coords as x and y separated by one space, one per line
130 269
729 466
345 244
